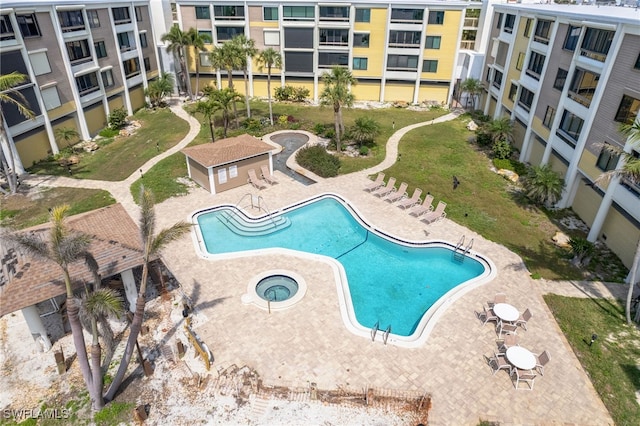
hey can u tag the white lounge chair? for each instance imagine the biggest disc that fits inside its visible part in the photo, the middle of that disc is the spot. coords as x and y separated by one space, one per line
255 181
266 175
397 194
390 186
437 214
379 182
410 202
423 208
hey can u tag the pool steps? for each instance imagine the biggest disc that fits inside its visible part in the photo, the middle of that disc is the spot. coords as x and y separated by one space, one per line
241 226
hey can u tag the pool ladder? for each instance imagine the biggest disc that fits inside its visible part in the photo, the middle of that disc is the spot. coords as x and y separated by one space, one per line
257 202
385 336
460 251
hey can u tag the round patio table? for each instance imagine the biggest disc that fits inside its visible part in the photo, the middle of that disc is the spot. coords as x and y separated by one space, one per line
506 312
521 358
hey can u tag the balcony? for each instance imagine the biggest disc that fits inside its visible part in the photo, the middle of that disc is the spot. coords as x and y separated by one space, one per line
468 44
471 22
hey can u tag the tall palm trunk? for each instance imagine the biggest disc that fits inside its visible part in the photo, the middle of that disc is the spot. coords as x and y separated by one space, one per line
269 93
336 119
246 93
235 107
212 129
632 283
185 75
96 370
197 77
8 163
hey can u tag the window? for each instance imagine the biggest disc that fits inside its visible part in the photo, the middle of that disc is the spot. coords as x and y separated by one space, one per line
570 127
121 15
607 160
363 15
407 15
543 28
295 13
78 51
549 115
526 98
205 59
28 25
402 63
203 12
583 86
6 29
334 37
513 90
487 76
302 38
147 64
87 83
573 34
360 39
334 13
271 38
124 42
436 17
131 67
206 35
499 21
228 12
330 59
94 20
107 78
71 20
360 63
101 50
143 40
527 27
227 33
432 42
40 63
637 64
138 11
404 38
520 61
628 109
561 79
50 97
270 14
299 61
509 22
429 65
536 63
497 79
596 43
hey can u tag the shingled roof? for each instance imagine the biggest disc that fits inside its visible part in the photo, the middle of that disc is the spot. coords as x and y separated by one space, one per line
115 245
227 150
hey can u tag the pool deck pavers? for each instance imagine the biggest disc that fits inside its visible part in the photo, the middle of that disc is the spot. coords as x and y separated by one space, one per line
309 342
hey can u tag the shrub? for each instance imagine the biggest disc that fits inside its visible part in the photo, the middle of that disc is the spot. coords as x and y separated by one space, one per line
300 94
252 124
582 250
483 139
283 120
543 185
502 149
118 118
364 150
318 160
108 132
290 93
318 128
502 163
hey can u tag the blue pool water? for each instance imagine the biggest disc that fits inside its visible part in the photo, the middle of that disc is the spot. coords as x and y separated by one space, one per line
390 283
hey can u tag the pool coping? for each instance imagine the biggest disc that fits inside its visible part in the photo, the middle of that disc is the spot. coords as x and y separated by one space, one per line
428 319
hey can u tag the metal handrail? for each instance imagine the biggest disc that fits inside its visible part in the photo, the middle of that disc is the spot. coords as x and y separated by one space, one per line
374 330
386 334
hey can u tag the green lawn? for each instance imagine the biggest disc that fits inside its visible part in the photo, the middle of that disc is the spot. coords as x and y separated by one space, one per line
117 158
613 360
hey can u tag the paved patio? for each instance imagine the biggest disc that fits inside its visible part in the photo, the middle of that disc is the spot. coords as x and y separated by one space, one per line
309 342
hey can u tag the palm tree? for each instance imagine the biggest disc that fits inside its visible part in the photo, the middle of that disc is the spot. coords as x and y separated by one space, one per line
9 94
543 185
501 129
247 48
178 40
152 244
224 100
65 247
474 88
66 134
197 41
629 169
227 57
208 108
269 58
365 130
158 89
337 94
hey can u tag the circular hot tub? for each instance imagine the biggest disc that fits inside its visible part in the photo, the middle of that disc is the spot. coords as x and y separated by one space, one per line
275 290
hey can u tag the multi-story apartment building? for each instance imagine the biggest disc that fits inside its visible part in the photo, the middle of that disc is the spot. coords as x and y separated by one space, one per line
82 60
568 76
413 51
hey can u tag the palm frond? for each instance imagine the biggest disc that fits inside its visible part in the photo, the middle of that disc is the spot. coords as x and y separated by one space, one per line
31 243
147 214
168 235
104 301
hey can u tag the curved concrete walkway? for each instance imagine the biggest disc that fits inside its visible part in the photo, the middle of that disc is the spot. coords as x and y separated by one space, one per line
289 347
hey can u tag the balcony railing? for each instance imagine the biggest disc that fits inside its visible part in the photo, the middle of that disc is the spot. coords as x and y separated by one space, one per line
471 22
468 44
601 57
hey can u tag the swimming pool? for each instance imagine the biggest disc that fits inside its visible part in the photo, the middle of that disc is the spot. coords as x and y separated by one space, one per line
389 282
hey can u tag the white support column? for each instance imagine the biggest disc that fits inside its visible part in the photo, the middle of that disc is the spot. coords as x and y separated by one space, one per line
34 322
603 210
130 288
